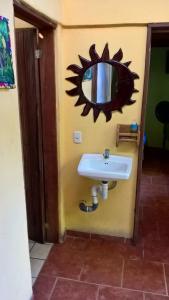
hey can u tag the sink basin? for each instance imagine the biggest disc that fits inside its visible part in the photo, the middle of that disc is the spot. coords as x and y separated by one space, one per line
114 168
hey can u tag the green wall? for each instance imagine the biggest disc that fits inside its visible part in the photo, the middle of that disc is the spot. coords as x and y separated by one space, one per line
158 91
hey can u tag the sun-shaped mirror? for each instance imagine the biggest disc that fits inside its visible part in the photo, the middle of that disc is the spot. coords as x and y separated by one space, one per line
102 83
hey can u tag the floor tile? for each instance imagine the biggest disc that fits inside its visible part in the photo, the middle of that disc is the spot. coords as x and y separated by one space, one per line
150 216
103 269
157 252
154 189
73 290
43 287
114 239
149 234
146 179
80 244
133 251
64 261
144 276
74 233
147 200
161 179
124 250
106 293
155 297
36 266
76 243
95 246
40 251
149 225
107 248
151 172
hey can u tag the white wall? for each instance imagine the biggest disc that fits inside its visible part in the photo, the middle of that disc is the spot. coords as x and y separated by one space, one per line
15 275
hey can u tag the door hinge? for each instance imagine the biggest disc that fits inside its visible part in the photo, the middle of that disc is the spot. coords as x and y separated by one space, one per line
38 53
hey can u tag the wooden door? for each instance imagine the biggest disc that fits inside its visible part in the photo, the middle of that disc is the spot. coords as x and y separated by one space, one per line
31 130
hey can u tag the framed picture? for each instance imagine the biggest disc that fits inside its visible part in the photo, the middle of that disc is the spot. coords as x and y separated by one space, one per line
6 66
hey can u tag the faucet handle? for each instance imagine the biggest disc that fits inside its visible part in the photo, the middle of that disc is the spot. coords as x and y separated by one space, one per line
106 153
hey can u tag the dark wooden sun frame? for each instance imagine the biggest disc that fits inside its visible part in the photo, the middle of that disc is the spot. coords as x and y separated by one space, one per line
48 114
125 87
152 28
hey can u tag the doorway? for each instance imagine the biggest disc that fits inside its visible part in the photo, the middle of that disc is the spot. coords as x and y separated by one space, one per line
36 85
27 43
152 195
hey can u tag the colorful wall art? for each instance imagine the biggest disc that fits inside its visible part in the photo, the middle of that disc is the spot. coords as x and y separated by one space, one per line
6 67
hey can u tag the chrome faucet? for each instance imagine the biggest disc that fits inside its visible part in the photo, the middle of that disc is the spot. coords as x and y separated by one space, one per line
106 153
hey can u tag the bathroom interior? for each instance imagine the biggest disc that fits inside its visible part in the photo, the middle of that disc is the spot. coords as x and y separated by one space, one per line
99 230
97 85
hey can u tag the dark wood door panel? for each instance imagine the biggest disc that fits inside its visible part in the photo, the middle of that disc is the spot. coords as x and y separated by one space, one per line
48 104
30 117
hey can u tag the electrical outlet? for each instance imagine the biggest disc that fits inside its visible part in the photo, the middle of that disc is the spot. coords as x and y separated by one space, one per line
77 137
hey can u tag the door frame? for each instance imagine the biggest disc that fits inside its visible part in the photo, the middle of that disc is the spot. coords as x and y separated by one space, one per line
48 113
151 28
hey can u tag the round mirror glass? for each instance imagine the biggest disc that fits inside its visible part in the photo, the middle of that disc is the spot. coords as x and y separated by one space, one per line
100 83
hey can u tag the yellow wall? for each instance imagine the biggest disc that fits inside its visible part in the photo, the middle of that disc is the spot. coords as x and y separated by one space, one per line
87 12
114 216
79 12
121 25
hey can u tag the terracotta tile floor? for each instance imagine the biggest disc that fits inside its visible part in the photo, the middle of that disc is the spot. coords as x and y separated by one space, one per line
92 268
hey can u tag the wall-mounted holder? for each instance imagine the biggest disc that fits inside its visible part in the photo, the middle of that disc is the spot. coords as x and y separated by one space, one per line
124 134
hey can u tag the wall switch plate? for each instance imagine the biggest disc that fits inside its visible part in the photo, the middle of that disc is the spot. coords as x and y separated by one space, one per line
77 137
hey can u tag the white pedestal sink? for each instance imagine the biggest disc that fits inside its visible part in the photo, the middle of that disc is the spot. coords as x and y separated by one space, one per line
114 168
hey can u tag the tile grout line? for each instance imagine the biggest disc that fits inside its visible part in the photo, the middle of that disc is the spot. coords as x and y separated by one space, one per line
165 280
32 247
122 273
81 272
144 297
35 278
111 286
52 290
98 290
36 258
